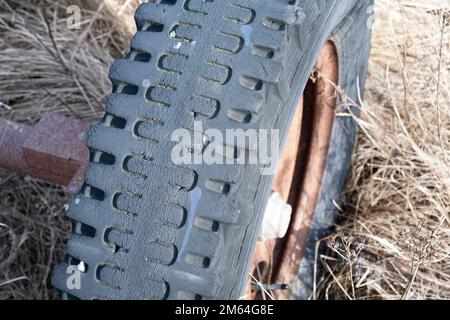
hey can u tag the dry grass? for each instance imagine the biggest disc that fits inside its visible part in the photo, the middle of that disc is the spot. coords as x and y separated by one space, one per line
48 67
45 66
393 240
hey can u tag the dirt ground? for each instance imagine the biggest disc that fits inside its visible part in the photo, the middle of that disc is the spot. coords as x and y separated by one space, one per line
392 240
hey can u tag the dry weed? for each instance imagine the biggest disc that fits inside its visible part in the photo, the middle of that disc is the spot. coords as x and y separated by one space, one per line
398 198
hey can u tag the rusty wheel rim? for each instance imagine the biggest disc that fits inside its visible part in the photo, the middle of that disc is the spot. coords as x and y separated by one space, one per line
299 178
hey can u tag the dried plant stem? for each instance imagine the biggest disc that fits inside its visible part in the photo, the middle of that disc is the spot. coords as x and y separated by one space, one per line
438 94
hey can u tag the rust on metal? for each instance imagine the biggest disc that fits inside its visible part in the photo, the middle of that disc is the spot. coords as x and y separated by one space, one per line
77 182
300 173
53 150
286 168
12 137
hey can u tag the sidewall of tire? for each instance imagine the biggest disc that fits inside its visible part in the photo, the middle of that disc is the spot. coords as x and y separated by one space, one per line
352 38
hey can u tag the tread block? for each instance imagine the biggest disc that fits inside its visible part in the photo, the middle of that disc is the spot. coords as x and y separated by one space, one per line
263 52
86 211
165 233
159 94
253 102
134 107
242 116
153 13
182 178
269 38
229 42
219 187
227 213
84 249
197 6
161 253
256 67
216 72
287 14
204 285
203 106
203 243
275 9
108 275
131 184
61 281
151 129
96 139
131 72
251 83
173 215
118 238
94 183
128 203
156 289
148 42
184 31
172 62
239 14
229 175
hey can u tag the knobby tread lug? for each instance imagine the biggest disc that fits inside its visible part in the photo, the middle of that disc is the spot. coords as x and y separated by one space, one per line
85 249
78 209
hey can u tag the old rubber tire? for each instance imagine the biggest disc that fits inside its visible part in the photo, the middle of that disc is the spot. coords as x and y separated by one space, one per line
144 228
